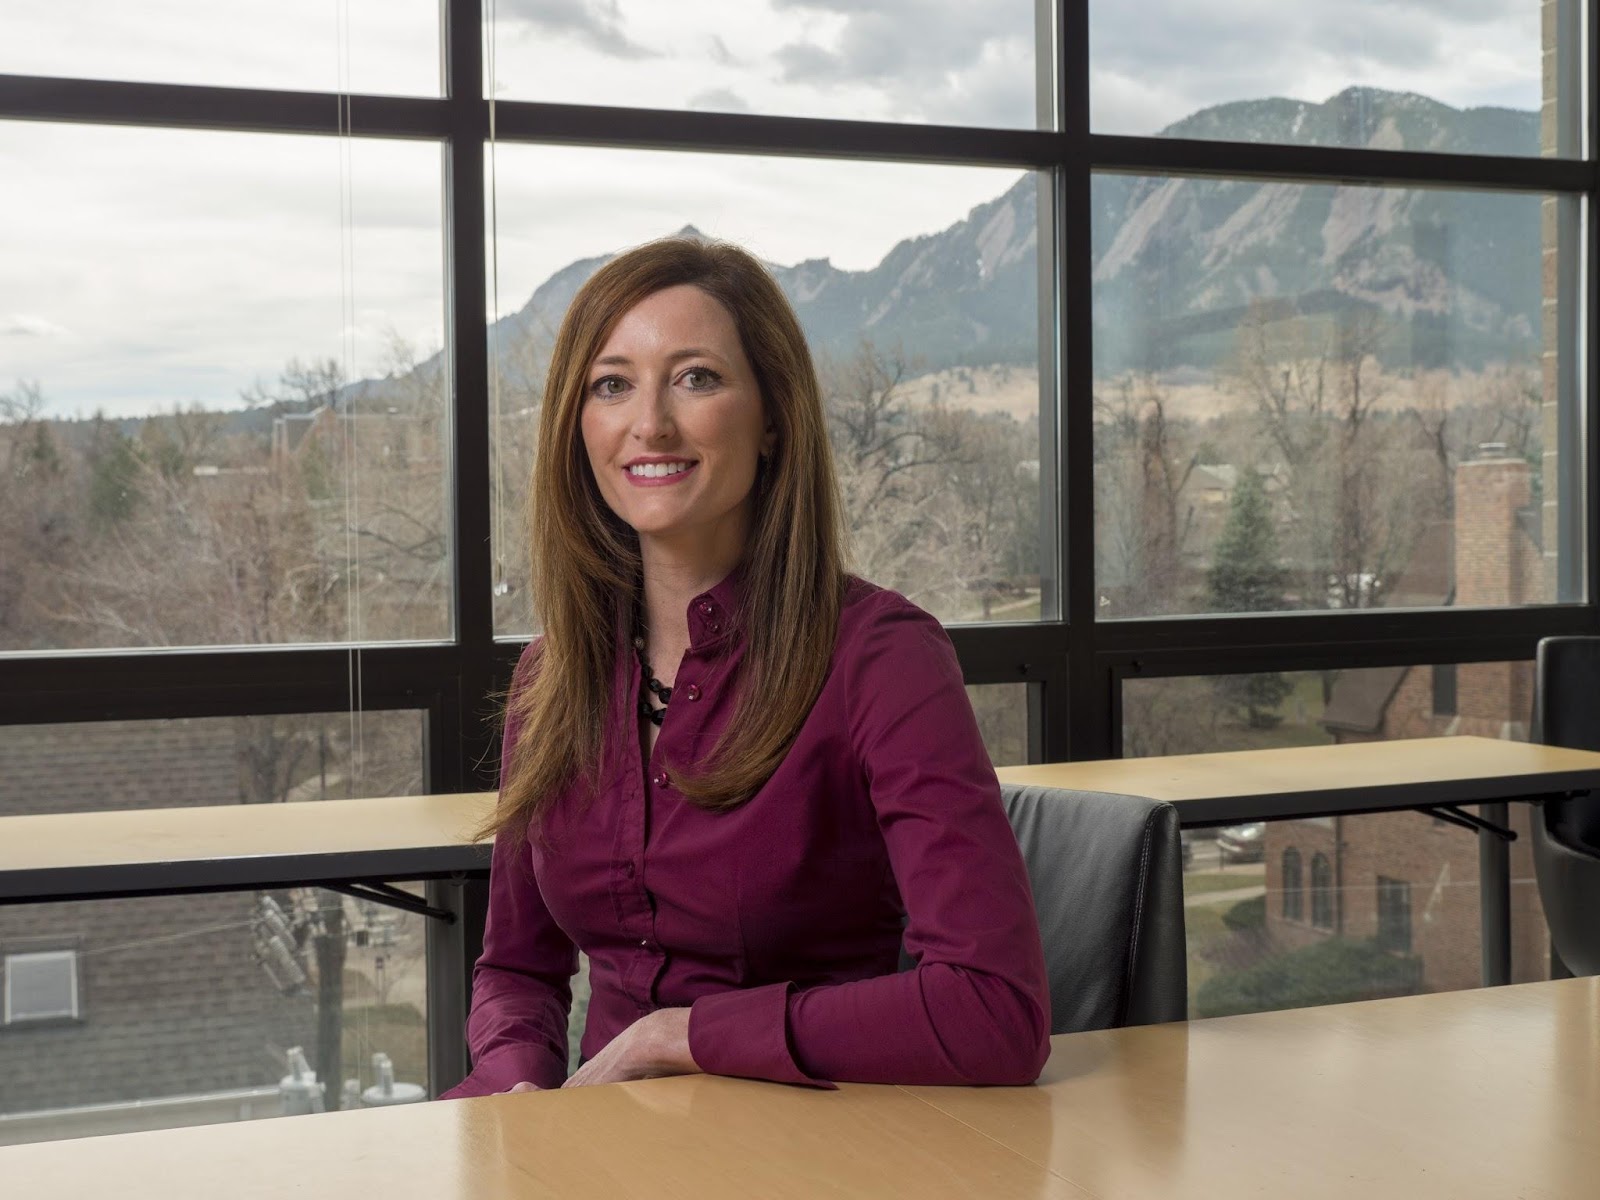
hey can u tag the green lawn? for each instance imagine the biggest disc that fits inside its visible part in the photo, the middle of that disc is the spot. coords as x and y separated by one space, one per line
1199 883
1203 925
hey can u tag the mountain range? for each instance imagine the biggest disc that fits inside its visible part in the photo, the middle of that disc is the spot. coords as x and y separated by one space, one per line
1177 261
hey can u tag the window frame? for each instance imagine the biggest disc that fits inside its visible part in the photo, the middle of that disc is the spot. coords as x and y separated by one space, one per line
1324 901
1076 662
1393 905
1294 899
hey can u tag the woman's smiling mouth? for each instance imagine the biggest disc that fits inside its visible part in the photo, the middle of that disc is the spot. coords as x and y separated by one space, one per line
655 474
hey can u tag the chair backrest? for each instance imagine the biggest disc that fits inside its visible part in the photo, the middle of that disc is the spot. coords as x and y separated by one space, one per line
1566 833
1107 876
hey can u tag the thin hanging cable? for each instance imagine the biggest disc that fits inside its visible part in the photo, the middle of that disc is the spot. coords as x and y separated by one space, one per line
352 490
497 431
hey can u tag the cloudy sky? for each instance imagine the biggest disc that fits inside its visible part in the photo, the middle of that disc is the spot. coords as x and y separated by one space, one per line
141 269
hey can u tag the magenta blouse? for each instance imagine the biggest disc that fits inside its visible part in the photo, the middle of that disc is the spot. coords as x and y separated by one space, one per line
780 923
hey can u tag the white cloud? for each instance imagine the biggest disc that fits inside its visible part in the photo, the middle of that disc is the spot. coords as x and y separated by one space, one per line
25 325
1157 61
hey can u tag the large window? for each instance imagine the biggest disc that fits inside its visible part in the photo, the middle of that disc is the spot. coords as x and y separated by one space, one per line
223 402
1210 371
922 313
1313 396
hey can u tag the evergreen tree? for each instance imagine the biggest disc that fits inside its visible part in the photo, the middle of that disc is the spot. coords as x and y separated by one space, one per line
1245 577
114 481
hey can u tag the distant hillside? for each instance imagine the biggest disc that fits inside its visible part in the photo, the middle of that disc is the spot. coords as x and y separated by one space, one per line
1177 260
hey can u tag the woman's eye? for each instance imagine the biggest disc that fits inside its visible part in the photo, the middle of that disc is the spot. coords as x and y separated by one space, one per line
700 377
610 385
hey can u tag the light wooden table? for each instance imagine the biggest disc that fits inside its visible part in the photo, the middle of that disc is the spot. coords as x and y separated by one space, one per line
1492 1093
1315 781
237 847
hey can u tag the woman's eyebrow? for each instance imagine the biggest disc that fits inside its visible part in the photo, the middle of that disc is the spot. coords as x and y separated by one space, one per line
622 360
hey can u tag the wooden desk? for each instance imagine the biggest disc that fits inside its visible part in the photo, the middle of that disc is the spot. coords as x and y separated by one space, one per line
1316 781
143 852
1491 1093
1486 1093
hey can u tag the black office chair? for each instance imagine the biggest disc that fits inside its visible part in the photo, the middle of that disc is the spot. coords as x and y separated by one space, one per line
1107 876
1566 833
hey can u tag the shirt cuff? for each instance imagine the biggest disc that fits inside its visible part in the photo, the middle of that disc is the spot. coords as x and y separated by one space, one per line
501 1070
746 1033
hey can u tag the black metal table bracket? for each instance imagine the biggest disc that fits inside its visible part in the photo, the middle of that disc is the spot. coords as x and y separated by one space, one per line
392 897
1455 816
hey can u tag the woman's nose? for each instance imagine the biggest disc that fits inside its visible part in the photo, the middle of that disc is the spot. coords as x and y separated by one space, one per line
652 420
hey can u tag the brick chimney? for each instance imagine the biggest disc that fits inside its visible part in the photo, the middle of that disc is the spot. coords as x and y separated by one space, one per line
1497 565
1493 492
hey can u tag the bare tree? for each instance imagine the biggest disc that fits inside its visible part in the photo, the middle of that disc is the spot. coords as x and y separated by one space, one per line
1142 521
1316 389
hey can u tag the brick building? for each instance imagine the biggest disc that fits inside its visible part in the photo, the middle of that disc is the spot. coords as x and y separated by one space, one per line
1406 879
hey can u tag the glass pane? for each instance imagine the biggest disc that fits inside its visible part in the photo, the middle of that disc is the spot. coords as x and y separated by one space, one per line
376 46
1312 397
190 1005
1476 78
922 311
1288 913
948 62
1002 712
222 397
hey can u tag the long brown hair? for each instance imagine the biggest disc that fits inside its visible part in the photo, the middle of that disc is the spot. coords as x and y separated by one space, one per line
586 565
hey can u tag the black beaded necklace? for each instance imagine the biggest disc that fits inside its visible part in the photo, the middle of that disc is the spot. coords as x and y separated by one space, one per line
647 710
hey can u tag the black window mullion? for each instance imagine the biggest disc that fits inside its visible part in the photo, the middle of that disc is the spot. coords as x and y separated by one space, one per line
1082 727
139 685
468 759
189 106
1335 164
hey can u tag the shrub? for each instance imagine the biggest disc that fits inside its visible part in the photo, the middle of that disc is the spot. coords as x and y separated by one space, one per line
1329 972
1247 916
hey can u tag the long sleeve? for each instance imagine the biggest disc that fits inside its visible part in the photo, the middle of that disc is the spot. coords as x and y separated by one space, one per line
522 983
975 1009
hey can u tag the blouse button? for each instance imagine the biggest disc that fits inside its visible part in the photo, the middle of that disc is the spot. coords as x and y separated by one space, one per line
714 626
659 779
691 691
706 608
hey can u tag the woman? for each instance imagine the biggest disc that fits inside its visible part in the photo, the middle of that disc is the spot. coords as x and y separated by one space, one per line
733 775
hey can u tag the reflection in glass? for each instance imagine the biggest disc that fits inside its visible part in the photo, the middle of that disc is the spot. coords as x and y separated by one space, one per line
1314 397
1323 910
222 406
189 1005
949 62
922 312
